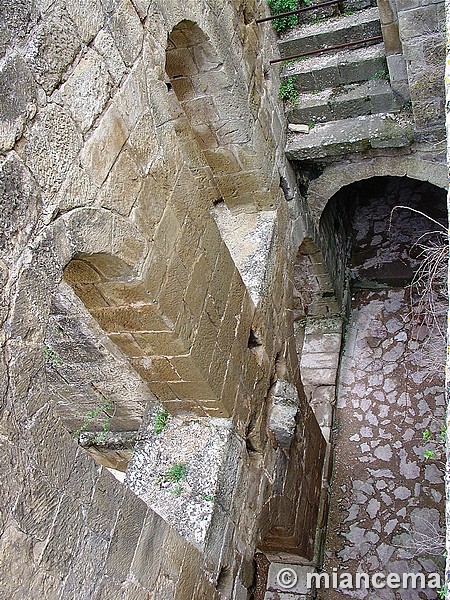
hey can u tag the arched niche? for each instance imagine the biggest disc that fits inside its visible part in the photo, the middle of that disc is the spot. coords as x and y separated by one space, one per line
215 103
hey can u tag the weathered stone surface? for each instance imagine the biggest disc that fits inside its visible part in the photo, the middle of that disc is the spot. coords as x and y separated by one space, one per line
87 90
20 204
125 27
18 100
53 46
127 222
121 188
88 17
102 148
16 19
106 47
350 135
50 147
284 407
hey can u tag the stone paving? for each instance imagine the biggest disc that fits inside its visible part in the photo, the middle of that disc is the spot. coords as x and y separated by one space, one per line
387 498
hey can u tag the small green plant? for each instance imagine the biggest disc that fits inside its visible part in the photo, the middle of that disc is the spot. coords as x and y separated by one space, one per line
51 357
177 490
380 74
288 91
103 434
282 6
208 498
428 454
161 420
94 414
176 473
435 443
442 592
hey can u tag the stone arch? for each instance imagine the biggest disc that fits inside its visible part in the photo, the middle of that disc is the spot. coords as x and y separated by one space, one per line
337 222
344 173
212 97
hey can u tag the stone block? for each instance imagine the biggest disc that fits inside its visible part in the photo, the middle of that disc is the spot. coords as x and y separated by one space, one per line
122 186
151 543
167 233
104 44
322 343
282 417
20 201
52 47
17 17
50 147
391 39
388 11
155 368
320 360
316 376
323 412
104 506
417 21
68 527
397 68
125 27
77 189
125 537
131 318
102 148
18 106
160 343
87 90
405 5
87 27
131 100
180 63
143 143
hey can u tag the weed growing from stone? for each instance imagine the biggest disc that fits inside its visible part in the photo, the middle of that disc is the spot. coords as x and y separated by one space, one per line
288 91
161 420
177 490
176 473
94 414
51 357
380 74
282 6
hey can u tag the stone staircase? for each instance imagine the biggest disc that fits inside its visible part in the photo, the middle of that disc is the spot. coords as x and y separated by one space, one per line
345 98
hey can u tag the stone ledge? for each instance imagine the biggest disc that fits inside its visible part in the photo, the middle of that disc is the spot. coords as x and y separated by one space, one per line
338 138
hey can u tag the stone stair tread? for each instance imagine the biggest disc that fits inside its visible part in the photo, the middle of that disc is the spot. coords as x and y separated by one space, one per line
321 61
345 101
359 134
345 93
339 22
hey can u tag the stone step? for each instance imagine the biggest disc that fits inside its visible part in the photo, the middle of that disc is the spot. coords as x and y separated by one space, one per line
337 138
345 102
360 25
325 12
333 70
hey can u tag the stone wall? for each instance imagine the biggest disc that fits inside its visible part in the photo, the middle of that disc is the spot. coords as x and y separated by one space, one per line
141 144
422 34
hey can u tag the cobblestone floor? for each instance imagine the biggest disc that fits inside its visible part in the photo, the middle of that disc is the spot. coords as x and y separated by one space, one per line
387 498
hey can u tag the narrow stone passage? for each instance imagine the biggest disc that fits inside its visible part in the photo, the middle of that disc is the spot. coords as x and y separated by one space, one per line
387 498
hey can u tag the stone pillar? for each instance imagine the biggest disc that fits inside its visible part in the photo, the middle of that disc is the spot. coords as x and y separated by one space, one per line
393 47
